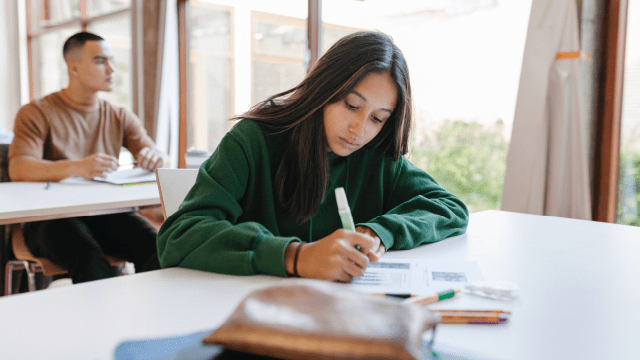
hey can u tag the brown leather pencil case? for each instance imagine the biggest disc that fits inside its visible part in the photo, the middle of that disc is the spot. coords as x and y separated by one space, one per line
311 319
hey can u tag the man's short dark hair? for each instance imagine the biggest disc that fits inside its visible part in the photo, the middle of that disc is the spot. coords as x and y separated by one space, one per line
77 41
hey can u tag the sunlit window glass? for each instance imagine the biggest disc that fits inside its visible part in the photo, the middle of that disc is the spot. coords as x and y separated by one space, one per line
49 62
210 74
53 12
239 53
464 58
117 33
278 54
101 7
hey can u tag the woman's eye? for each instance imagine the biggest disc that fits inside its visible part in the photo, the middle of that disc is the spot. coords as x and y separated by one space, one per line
350 106
376 119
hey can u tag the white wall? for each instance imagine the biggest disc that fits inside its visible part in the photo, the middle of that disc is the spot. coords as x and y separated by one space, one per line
10 90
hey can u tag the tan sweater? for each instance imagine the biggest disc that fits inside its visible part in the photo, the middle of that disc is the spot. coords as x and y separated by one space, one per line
57 128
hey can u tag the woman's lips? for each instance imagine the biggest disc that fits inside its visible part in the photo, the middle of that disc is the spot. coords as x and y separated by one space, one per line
349 143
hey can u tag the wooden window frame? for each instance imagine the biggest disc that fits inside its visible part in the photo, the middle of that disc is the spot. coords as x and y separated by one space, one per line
607 146
258 16
83 21
313 34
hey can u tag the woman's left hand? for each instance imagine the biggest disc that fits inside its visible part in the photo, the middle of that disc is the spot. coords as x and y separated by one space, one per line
373 255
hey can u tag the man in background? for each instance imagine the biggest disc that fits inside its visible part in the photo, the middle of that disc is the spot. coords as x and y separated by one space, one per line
74 133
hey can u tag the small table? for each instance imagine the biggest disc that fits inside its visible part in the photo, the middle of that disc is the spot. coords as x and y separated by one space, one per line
32 201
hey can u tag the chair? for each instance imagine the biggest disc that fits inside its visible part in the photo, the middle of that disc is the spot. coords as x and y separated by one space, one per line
31 264
173 186
24 259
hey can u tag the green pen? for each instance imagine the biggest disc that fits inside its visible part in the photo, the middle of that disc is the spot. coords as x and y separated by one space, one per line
345 211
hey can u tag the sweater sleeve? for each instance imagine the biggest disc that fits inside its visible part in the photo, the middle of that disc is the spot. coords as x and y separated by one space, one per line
205 233
135 135
419 211
30 129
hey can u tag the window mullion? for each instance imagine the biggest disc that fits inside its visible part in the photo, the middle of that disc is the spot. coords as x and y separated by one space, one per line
314 31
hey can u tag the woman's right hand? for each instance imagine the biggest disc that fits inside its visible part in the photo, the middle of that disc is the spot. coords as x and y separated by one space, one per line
335 257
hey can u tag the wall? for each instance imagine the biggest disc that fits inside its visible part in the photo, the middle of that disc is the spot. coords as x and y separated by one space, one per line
9 64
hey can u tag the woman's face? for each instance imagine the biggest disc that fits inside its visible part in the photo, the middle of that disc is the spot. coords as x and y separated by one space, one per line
354 121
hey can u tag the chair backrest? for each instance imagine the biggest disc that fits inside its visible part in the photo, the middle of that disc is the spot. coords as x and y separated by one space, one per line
173 185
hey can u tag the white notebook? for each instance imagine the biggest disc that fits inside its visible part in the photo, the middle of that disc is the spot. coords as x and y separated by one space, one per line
130 176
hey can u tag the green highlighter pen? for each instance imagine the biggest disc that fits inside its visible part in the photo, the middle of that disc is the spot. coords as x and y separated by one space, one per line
345 211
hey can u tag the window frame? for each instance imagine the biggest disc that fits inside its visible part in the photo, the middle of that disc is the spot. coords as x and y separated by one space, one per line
259 16
34 32
313 38
607 145
229 55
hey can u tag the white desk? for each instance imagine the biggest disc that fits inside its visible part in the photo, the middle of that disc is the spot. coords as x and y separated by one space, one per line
580 286
30 201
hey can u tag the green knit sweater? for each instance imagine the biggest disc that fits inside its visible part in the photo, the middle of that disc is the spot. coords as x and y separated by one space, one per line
230 222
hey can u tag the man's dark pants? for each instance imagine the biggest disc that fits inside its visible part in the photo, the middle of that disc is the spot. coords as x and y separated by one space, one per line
80 244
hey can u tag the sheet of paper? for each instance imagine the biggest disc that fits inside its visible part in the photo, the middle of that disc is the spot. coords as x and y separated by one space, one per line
417 276
130 176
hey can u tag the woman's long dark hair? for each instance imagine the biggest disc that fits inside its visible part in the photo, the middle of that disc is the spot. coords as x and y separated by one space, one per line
303 173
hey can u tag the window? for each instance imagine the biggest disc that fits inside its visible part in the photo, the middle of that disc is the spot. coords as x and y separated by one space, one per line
50 70
53 21
278 50
465 70
210 96
629 178
239 53
117 32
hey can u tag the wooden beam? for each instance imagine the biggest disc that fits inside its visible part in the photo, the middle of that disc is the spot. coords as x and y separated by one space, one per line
45 9
314 30
83 14
182 63
30 62
607 152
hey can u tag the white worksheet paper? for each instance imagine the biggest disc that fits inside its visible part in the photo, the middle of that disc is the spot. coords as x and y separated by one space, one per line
417 276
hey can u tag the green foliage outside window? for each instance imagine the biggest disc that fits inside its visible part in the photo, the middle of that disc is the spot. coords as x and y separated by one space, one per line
466 158
629 188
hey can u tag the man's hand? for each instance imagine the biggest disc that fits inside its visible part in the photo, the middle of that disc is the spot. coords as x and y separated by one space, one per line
96 165
150 159
377 250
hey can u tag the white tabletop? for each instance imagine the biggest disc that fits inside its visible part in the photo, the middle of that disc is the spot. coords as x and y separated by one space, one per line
580 289
30 201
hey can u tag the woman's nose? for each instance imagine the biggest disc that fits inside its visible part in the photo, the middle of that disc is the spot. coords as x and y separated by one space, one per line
358 125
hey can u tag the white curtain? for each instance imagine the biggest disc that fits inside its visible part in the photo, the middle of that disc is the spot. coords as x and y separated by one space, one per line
167 105
547 166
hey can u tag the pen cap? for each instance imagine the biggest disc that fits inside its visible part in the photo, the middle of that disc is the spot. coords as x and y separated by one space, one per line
341 199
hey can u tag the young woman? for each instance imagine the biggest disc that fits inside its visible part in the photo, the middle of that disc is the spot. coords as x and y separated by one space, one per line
264 202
